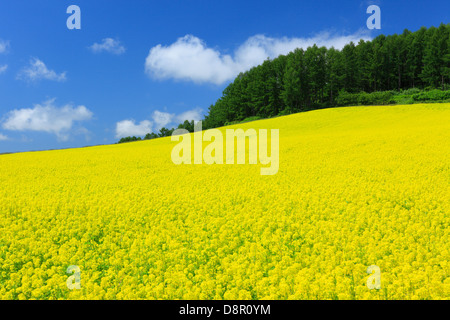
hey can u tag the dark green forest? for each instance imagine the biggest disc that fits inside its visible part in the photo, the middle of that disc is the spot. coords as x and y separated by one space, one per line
400 68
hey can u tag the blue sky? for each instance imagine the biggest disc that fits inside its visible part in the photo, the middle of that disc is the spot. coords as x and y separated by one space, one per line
135 66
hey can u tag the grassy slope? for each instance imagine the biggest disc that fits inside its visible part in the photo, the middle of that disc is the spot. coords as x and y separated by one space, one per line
356 186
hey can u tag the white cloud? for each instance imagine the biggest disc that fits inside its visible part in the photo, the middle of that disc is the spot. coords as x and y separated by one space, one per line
194 114
190 59
37 70
3 137
46 118
158 120
109 45
4 45
127 128
162 119
3 68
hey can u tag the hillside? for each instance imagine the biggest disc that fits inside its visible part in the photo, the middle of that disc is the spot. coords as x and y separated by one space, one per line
364 73
356 186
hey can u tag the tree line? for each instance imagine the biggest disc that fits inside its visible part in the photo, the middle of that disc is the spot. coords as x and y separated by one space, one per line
376 71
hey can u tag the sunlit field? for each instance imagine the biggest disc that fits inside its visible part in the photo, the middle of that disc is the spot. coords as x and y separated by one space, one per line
356 187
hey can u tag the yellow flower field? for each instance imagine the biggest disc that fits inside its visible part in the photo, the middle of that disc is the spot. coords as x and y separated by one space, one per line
356 187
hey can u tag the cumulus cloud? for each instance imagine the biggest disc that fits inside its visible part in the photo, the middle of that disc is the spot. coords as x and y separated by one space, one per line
3 137
108 45
37 70
158 120
4 45
3 68
190 59
127 128
194 114
162 119
47 117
